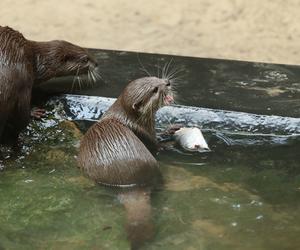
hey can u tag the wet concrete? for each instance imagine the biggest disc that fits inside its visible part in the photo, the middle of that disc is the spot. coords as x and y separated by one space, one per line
260 88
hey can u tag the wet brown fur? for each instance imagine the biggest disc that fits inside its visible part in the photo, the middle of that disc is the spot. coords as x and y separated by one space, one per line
24 63
116 152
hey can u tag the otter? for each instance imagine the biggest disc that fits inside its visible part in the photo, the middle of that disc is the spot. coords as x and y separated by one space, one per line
25 63
117 151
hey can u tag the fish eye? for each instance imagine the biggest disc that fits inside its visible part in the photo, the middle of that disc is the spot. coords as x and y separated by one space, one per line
155 90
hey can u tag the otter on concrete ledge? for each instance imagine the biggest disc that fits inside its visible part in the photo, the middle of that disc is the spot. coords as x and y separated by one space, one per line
115 151
24 63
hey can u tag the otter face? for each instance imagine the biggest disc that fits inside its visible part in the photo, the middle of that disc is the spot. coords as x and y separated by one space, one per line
146 95
74 60
61 58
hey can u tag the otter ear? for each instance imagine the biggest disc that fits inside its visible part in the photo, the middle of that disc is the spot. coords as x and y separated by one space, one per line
136 106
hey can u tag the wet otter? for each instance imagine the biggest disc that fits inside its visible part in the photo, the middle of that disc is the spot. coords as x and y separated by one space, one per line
24 63
115 151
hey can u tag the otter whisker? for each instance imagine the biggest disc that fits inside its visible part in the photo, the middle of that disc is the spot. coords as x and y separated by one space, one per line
79 82
174 73
166 69
169 65
94 76
74 79
163 71
158 67
90 79
143 70
91 71
175 82
143 67
97 74
175 85
178 77
73 83
170 70
90 82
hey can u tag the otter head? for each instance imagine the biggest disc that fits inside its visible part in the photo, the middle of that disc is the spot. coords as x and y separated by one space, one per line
144 96
61 58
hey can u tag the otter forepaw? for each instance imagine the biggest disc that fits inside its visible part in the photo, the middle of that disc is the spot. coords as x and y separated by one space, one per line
173 128
38 113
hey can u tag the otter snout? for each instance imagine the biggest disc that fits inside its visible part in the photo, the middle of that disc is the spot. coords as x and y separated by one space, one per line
169 99
92 62
168 94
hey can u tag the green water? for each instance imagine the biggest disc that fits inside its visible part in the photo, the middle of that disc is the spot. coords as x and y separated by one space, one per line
231 198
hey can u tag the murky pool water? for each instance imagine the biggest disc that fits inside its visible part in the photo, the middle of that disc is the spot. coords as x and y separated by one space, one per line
234 197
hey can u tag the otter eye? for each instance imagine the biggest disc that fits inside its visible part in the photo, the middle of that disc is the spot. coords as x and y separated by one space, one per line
155 90
69 58
85 60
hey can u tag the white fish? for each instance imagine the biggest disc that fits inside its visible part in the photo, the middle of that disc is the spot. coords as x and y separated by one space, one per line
191 139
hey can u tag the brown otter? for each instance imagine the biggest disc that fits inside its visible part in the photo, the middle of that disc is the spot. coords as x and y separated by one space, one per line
24 63
116 151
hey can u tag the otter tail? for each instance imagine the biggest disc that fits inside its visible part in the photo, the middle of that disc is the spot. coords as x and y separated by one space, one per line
139 226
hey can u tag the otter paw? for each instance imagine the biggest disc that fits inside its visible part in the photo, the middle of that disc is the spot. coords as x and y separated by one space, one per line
38 113
173 128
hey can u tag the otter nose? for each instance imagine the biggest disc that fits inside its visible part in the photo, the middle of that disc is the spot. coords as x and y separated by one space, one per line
96 64
168 83
92 61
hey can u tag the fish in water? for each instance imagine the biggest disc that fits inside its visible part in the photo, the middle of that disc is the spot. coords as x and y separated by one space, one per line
191 139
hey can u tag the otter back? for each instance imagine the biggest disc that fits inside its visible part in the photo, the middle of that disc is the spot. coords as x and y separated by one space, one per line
16 80
24 63
111 154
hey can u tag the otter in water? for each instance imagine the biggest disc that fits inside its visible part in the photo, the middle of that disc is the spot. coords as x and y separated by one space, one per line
24 63
116 151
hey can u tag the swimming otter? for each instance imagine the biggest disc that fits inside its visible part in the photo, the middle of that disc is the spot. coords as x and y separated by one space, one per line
24 63
115 151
